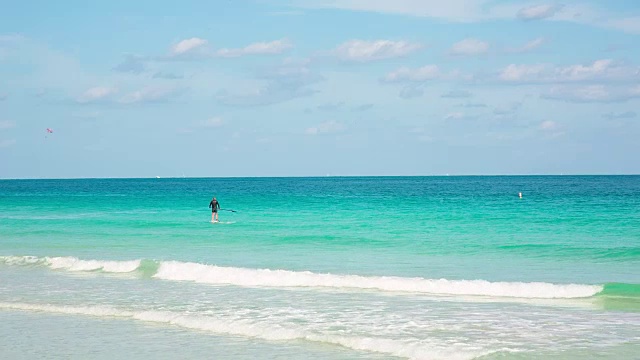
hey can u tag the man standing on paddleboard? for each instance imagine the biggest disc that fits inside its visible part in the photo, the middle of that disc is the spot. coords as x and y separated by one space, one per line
214 205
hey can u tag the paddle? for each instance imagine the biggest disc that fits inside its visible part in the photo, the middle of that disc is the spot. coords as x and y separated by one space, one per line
228 210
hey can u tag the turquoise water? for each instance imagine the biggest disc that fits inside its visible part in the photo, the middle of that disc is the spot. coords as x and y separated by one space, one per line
336 268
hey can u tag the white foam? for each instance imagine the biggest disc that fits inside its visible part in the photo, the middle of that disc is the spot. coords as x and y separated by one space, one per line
218 275
71 310
273 332
21 260
73 264
174 270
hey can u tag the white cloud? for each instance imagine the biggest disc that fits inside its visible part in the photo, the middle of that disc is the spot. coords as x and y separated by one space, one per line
326 127
285 82
456 10
213 122
529 46
538 12
260 48
515 72
622 115
579 94
145 95
484 10
599 70
454 116
473 105
468 47
187 45
581 72
548 125
196 48
456 94
599 16
629 24
150 94
591 93
167 76
289 69
96 94
6 124
364 51
274 92
427 72
551 129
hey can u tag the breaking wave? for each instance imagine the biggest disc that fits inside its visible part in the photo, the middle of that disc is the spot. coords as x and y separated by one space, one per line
219 275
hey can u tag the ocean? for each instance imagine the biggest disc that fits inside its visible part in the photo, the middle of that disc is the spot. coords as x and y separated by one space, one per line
451 267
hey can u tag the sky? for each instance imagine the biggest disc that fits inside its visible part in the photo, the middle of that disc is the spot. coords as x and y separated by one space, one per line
318 87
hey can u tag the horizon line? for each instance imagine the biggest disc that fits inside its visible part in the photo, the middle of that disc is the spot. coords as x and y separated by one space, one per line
310 176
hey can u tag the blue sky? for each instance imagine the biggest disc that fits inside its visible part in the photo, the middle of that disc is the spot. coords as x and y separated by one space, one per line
317 87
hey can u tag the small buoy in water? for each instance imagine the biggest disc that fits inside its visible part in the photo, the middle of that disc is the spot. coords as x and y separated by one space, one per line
520 195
